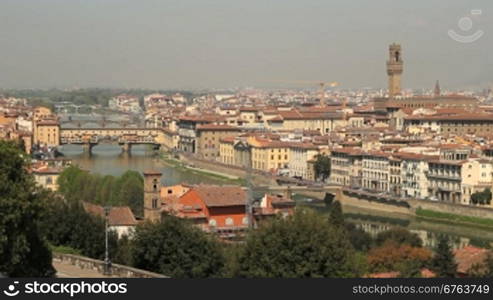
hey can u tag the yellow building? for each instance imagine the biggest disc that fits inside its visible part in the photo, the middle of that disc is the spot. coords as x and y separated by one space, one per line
47 177
269 155
47 132
226 151
170 139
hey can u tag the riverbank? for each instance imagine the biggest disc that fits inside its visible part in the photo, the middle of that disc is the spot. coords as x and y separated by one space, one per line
166 159
449 218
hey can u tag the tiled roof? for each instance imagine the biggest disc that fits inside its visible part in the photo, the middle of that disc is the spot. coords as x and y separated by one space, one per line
217 127
221 196
118 216
468 256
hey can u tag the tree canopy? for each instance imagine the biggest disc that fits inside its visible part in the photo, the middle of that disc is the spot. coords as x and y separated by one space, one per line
322 167
400 236
481 198
23 249
126 190
305 244
178 249
443 263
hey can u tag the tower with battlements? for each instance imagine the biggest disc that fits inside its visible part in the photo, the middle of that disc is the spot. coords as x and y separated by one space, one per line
152 196
394 69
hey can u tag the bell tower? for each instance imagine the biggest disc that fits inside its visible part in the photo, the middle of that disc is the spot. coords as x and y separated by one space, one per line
152 197
394 69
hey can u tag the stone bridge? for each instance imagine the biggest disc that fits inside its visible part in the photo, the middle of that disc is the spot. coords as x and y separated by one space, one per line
125 137
100 123
313 190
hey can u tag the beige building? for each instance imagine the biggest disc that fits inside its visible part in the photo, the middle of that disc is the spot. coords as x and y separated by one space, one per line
477 175
444 177
345 167
299 155
324 122
47 132
209 137
269 155
47 177
376 172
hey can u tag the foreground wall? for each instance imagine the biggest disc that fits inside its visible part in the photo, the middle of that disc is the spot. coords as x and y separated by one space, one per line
98 265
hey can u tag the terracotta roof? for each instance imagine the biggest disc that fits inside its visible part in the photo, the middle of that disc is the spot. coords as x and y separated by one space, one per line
152 172
228 139
220 196
457 117
118 216
48 170
468 256
217 127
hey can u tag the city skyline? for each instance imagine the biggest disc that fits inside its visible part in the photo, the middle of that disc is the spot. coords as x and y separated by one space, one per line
194 45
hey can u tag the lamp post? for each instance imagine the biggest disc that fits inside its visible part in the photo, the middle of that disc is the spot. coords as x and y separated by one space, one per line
107 261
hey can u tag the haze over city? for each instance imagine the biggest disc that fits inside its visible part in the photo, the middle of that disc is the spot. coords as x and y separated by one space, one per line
190 44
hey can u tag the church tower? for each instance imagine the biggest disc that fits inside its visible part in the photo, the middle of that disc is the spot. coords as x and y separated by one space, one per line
437 92
394 69
152 197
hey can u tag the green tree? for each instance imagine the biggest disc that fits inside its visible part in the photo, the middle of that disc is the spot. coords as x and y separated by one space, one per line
328 199
400 236
336 217
68 224
77 185
481 198
178 249
302 245
361 240
322 167
23 250
443 262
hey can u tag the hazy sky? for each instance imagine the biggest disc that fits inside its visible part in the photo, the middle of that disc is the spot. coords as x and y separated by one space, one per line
229 43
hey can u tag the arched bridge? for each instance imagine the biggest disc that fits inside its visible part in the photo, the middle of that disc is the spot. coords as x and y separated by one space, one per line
125 137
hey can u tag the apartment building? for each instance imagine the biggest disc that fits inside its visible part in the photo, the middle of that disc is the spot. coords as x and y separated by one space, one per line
299 155
346 166
269 155
376 172
209 137
477 175
414 175
445 178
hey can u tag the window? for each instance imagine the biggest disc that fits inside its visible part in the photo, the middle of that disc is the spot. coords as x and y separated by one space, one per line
212 222
170 191
154 203
229 222
154 185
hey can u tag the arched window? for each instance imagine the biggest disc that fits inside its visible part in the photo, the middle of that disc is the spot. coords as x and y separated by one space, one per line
212 222
230 222
245 220
154 185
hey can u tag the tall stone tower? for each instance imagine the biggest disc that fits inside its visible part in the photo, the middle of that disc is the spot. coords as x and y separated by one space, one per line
152 198
436 91
394 69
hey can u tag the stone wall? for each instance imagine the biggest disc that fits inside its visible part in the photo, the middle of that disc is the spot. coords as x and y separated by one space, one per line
457 209
372 205
117 270
257 177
